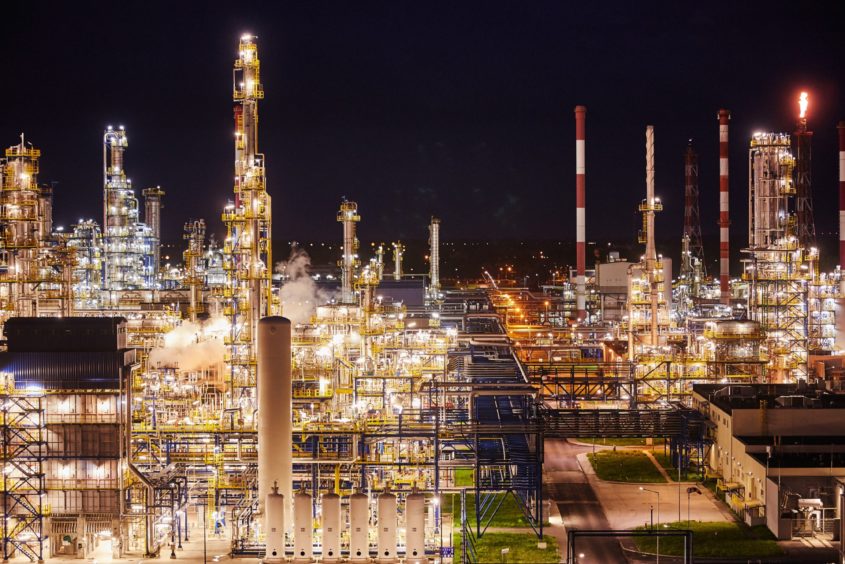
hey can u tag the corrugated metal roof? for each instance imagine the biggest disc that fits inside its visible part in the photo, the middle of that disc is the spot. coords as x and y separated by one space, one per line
67 370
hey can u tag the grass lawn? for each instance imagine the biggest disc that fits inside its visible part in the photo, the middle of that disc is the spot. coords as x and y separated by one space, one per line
620 442
463 477
665 460
625 466
716 540
508 515
522 549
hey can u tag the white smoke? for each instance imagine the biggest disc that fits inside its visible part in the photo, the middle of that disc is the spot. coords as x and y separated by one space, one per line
299 293
192 346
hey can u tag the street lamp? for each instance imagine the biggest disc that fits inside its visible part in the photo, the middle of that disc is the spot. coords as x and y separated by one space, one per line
657 493
691 490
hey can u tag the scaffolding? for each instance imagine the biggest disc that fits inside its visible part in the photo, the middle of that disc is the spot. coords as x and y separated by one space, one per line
23 448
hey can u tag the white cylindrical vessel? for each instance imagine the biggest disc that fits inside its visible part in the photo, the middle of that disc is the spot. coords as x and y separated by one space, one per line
331 528
387 523
303 529
274 525
359 522
415 529
275 464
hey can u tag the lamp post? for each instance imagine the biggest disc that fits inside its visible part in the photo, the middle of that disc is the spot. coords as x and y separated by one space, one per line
691 490
657 493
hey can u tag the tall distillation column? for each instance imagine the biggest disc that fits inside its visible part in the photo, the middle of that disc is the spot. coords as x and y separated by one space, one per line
194 275
348 216
247 249
724 210
777 271
434 257
580 212
124 267
19 243
398 251
152 217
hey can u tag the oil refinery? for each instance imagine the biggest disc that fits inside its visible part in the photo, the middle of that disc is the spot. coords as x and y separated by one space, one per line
388 417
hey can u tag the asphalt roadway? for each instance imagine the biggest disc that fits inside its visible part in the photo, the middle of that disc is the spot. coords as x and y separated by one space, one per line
566 485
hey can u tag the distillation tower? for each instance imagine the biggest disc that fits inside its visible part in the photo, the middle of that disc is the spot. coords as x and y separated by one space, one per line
777 270
247 294
434 258
129 244
398 252
32 262
348 216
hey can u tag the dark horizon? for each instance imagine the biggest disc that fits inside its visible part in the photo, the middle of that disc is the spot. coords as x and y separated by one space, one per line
461 111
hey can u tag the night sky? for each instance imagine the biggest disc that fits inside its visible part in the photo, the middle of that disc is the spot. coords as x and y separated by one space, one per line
459 109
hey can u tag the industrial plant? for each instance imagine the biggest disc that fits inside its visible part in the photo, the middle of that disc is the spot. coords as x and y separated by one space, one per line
377 415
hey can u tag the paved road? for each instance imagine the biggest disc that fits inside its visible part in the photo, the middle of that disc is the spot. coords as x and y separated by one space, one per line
567 487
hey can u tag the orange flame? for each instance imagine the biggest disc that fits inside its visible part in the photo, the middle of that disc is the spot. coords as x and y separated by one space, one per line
803 102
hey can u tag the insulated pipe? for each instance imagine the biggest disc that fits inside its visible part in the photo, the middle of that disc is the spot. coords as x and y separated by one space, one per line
580 212
275 449
724 218
841 128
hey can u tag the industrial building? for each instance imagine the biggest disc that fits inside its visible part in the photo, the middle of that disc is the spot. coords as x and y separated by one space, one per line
143 399
779 454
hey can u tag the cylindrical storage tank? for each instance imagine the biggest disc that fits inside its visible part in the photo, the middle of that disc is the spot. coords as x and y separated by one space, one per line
331 528
359 521
275 395
303 528
415 529
387 523
274 525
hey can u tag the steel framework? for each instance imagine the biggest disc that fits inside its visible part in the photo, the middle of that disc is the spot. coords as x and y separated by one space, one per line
23 448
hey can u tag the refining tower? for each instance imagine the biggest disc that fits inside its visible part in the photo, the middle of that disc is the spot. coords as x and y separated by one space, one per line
128 242
248 256
348 216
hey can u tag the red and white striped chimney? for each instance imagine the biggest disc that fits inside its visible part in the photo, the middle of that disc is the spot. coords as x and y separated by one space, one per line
841 127
724 217
580 212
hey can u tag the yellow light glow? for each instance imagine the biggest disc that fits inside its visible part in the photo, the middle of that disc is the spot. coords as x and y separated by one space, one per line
803 102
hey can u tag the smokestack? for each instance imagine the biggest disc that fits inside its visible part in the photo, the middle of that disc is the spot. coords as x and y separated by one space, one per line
580 212
650 249
275 400
434 257
841 128
724 218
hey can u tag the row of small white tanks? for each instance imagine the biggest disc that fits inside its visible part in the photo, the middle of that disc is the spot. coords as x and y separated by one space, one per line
332 526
